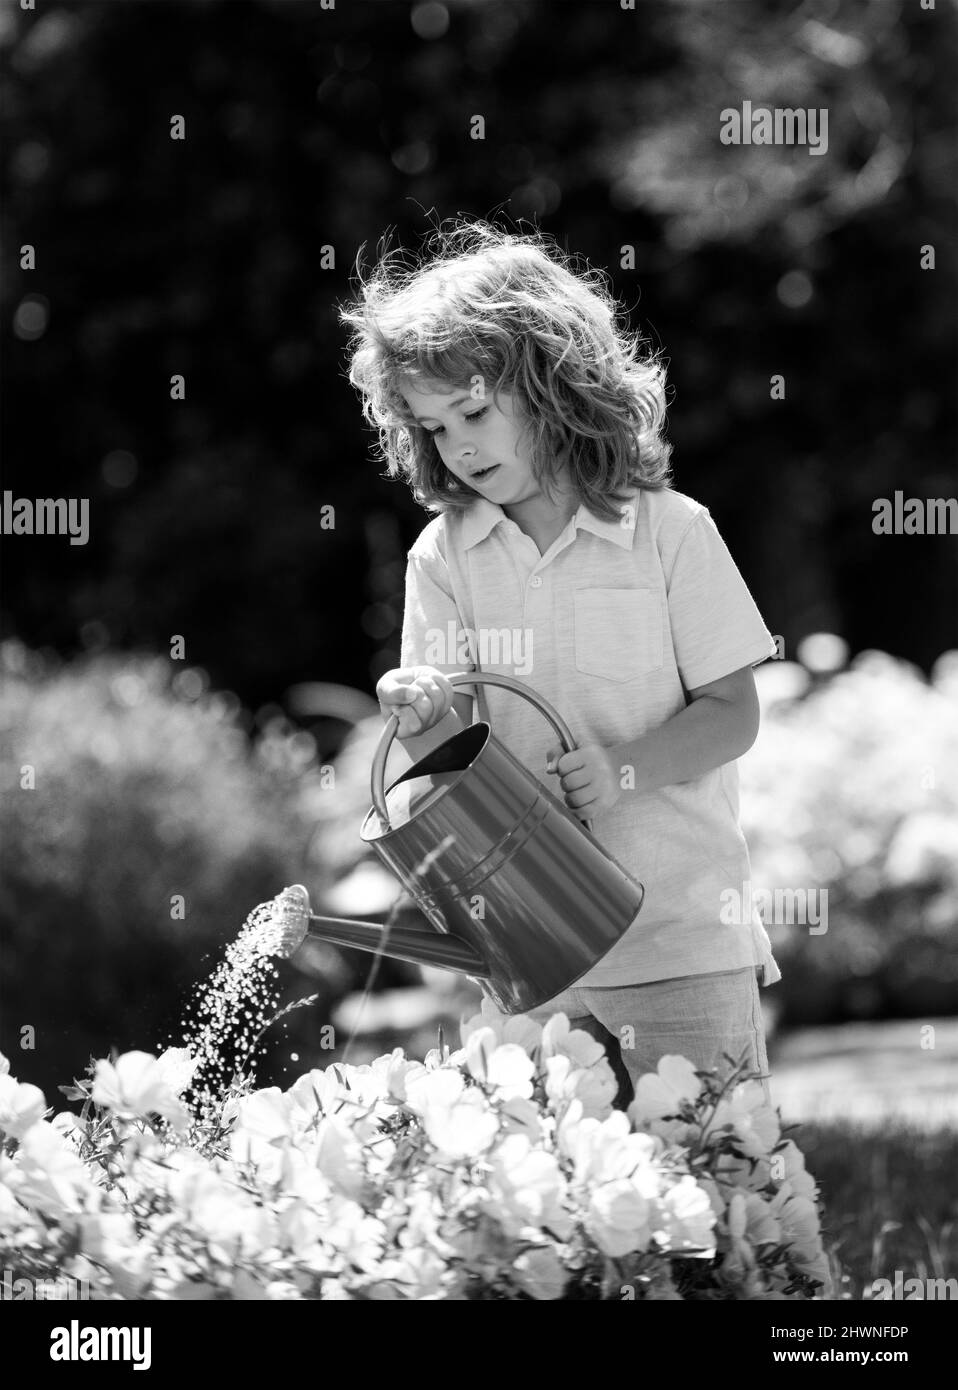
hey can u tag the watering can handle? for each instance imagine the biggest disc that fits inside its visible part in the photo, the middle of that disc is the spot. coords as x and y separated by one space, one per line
378 774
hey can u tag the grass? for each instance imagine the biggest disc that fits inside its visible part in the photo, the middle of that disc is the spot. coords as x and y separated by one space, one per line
891 1201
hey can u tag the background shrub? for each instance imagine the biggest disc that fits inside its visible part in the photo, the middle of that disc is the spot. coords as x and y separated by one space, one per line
852 787
147 789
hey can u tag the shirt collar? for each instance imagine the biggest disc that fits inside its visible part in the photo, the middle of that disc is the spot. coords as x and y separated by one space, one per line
482 516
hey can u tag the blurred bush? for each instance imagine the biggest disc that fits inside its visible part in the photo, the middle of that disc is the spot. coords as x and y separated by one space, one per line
852 788
127 787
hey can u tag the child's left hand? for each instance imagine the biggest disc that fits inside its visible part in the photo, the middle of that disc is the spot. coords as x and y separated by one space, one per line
589 778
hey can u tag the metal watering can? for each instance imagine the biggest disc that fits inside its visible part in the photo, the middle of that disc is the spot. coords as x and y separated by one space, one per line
521 894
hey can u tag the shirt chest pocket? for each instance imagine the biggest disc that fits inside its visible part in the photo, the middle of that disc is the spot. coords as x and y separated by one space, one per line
618 633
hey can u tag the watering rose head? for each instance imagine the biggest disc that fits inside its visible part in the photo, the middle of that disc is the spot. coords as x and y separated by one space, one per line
288 922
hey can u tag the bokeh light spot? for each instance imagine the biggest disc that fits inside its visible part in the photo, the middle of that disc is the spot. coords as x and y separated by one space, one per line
31 318
823 652
119 468
413 158
190 684
795 289
731 193
30 162
430 20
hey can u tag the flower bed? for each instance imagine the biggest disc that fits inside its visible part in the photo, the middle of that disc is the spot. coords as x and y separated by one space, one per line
497 1171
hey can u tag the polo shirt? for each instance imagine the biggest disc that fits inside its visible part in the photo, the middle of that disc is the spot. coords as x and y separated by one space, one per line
612 625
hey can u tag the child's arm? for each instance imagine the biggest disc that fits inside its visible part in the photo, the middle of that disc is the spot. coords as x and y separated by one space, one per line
435 711
718 726
715 626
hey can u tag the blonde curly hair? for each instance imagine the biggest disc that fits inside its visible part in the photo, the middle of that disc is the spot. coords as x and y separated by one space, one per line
514 310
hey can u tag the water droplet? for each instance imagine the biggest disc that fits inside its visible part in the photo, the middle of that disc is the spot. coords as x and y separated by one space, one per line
229 1013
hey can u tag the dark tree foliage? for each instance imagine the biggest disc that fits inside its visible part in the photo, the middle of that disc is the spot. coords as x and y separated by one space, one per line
310 127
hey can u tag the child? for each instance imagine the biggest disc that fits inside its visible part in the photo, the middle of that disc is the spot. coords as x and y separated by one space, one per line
519 409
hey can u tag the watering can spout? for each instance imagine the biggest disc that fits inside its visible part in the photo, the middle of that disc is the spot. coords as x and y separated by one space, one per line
292 921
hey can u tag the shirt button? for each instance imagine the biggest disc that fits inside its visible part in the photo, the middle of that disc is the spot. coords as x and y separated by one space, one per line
536 581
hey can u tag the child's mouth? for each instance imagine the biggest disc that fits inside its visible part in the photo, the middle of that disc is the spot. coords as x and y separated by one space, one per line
484 474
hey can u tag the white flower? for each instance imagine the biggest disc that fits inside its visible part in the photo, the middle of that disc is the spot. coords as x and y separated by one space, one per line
664 1091
714 1194
507 1067
48 1174
21 1105
751 1173
520 1116
315 1093
541 1272
12 1215
463 1129
757 1220
364 1085
527 1185
740 1256
603 1150
247 1288
299 1177
508 1028
300 1228
458 1120
265 1113
559 1040
434 1089
311 1191
751 1117
137 1085
594 1086
799 1220
394 1067
763 1228
690 1220
617 1218
69 1126
802 1182
339 1157
359 1238
476 1050
223 1213
418 1274
192 1291
131 1270
110 1239
418 1220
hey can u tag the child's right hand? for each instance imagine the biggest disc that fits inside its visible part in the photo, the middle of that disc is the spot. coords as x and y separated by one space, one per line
418 695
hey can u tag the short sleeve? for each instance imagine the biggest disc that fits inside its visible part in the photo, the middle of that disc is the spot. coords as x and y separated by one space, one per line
716 625
432 632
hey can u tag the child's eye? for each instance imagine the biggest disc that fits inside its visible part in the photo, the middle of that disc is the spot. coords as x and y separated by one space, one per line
477 415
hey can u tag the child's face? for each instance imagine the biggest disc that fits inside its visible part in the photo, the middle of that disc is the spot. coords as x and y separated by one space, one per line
478 441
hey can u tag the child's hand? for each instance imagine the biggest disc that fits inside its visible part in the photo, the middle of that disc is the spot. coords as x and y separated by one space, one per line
418 695
588 776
